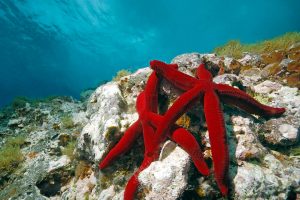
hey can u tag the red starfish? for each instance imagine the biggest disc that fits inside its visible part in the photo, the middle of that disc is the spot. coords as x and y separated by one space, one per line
209 93
149 120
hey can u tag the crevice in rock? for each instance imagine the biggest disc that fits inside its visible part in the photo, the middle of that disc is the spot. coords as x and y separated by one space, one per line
52 183
50 186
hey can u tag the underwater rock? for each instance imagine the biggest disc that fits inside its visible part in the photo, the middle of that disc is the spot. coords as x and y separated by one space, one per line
294 51
267 87
257 171
16 122
289 132
271 179
274 56
271 70
248 146
288 97
293 66
229 79
80 118
250 60
188 63
234 66
108 193
283 132
167 178
191 60
252 72
105 109
56 164
81 188
44 170
84 95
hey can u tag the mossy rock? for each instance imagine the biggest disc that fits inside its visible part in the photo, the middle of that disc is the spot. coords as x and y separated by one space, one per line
235 66
121 74
232 49
273 57
294 55
295 151
11 155
111 133
274 69
260 98
69 149
287 42
271 69
293 80
246 67
82 170
19 102
252 71
184 121
294 66
67 121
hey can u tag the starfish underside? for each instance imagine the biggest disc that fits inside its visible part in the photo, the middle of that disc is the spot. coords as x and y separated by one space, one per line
156 128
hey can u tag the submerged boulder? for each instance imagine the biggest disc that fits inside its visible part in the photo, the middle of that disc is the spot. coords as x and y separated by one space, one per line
66 139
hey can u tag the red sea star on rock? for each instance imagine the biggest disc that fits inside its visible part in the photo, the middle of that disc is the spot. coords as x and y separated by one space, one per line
149 120
156 128
209 93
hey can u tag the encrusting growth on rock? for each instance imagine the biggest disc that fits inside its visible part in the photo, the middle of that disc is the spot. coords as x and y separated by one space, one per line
157 128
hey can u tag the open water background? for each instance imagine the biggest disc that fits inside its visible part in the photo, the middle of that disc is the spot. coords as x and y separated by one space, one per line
60 47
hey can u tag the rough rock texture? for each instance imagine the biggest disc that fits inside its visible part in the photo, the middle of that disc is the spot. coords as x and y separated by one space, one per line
44 168
65 139
167 178
105 107
267 180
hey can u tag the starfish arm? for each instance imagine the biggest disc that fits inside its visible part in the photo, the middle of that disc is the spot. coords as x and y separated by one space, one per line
123 145
187 141
151 93
160 63
177 78
133 182
181 105
236 97
203 74
148 133
217 137
154 119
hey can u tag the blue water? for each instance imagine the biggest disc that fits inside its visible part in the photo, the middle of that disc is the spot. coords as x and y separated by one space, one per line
60 47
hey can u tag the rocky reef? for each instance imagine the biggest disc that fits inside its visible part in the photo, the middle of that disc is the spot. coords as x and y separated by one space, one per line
50 149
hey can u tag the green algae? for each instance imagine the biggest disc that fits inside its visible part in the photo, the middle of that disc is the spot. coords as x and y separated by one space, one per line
69 149
235 48
121 74
295 151
67 121
10 154
111 132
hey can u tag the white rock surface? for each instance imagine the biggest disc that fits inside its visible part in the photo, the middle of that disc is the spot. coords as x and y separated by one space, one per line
253 181
84 186
267 87
166 179
107 194
105 110
16 122
289 132
56 164
256 170
250 59
80 118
